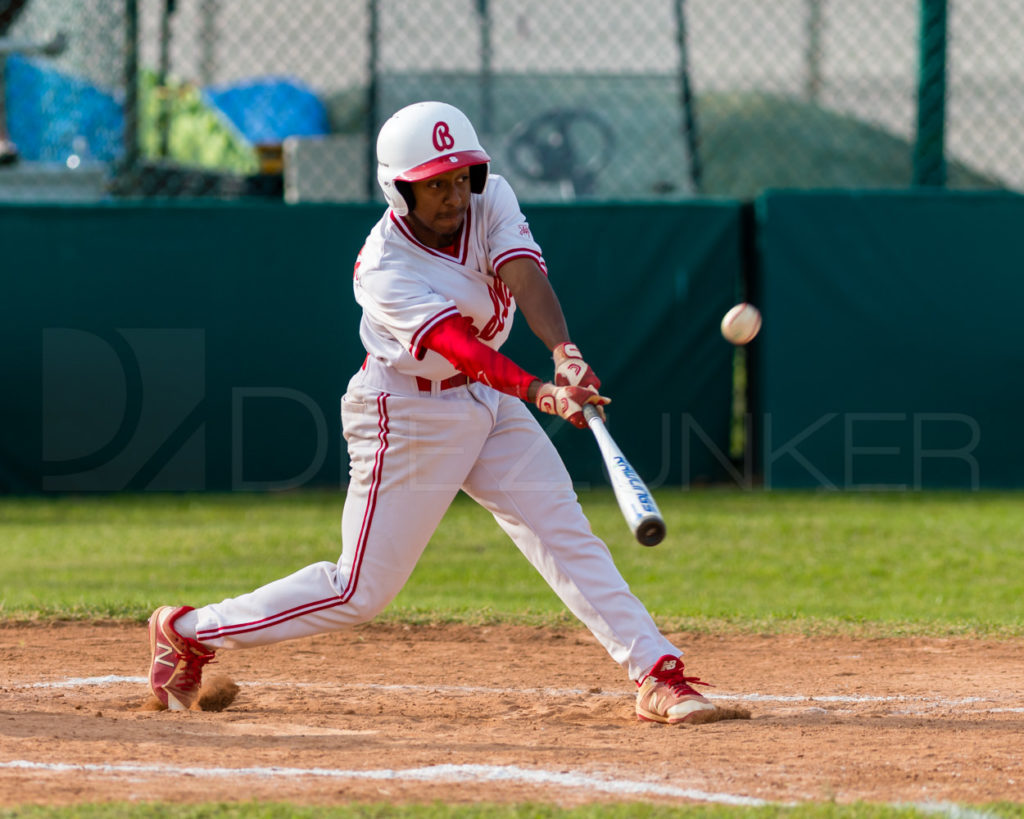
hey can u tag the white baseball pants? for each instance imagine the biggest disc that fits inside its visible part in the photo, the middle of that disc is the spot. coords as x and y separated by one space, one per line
410 453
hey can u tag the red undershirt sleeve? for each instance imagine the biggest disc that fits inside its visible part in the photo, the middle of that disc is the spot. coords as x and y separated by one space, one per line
453 339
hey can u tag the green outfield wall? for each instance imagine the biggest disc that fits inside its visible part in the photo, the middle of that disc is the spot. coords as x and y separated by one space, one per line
183 347
892 354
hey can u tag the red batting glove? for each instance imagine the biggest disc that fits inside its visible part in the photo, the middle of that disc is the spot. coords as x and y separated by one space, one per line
572 370
567 402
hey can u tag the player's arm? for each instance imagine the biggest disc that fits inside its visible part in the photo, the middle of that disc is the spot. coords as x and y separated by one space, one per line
536 300
452 338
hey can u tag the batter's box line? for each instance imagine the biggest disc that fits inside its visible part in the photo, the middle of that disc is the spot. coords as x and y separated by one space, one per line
471 774
810 699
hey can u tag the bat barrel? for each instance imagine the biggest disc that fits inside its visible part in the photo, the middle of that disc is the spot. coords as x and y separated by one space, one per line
635 499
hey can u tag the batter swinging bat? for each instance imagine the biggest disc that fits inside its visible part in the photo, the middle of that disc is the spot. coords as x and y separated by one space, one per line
635 499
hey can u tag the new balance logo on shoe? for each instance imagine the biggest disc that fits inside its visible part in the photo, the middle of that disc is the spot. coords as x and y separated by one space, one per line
165 651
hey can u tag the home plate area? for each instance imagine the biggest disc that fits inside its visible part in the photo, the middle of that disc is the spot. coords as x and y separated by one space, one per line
512 714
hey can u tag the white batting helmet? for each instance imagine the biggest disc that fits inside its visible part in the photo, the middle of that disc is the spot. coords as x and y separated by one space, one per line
423 140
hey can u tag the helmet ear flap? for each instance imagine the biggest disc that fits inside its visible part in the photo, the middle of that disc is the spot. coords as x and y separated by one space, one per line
391 193
478 177
405 191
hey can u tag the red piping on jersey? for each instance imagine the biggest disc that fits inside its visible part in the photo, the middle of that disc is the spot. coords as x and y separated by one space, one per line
383 429
415 346
518 253
462 244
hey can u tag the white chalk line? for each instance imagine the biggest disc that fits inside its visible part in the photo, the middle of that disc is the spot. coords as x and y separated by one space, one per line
485 773
948 809
796 699
473 774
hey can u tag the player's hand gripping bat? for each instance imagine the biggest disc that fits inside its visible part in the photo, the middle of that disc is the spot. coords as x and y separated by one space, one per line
635 499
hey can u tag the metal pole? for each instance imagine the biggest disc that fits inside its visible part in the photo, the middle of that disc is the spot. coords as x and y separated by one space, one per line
371 101
812 89
686 100
126 173
486 69
207 42
163 90
929 147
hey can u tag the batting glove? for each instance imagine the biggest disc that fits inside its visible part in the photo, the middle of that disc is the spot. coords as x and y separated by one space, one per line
567 402
572 370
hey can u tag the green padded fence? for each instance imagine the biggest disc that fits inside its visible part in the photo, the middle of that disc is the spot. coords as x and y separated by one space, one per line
891 355
190 346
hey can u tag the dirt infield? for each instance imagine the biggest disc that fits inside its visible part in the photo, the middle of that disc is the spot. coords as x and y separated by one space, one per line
458 714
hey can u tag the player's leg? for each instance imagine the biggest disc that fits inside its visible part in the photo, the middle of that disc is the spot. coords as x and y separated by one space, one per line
409 457
520 478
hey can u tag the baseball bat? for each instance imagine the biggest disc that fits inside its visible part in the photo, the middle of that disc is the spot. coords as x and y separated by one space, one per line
635 499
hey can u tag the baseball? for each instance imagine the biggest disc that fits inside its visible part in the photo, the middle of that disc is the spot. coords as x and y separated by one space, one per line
741 324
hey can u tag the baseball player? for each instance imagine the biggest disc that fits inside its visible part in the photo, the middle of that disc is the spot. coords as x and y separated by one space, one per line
436 408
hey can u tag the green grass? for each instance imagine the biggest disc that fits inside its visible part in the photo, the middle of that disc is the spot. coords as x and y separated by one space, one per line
923 563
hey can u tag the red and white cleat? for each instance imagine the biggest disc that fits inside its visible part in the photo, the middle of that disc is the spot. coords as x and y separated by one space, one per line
666 695
176 670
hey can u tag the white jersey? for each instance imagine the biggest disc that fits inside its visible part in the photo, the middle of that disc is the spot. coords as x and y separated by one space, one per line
405 288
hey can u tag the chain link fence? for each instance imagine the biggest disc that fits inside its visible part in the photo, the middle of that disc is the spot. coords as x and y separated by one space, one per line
582 100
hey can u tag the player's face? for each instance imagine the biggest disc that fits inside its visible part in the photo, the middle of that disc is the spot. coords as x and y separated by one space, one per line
441 204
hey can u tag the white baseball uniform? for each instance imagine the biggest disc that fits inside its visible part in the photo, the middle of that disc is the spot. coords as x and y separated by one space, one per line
417 433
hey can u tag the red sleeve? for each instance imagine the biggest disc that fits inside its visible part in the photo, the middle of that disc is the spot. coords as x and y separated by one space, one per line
453 339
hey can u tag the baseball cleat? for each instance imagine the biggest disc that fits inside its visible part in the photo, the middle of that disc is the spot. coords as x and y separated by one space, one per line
666 695
176 670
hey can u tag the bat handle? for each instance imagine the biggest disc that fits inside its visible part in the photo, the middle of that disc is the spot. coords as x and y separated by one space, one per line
590 413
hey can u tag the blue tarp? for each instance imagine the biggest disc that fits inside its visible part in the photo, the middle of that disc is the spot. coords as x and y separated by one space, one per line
268 110
51 115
